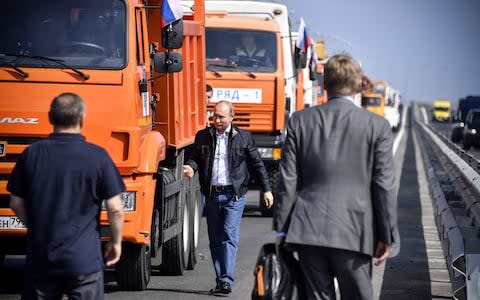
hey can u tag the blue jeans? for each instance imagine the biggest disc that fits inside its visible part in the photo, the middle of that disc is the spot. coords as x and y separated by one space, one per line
224 213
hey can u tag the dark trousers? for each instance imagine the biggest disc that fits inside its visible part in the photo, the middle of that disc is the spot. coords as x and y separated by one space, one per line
321 265
84 287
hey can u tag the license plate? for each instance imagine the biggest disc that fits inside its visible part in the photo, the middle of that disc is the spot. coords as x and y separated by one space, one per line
11 223
237 95
3 149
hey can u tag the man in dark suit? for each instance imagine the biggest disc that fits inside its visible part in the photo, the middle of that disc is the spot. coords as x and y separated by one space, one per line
337 192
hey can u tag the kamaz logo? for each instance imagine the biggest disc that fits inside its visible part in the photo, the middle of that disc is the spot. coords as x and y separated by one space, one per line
10 120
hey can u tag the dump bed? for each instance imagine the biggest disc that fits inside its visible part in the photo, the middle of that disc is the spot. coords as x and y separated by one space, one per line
181 96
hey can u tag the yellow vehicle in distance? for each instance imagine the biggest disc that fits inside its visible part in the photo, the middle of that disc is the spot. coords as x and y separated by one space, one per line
374 103
442 111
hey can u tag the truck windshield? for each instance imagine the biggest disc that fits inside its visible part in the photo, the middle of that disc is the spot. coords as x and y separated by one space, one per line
254 51
79 33
371 101
319 79
445 109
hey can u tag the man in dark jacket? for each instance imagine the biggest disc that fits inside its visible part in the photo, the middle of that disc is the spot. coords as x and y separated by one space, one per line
57 188
222 155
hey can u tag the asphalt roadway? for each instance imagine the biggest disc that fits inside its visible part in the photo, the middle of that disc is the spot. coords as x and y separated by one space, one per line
418 272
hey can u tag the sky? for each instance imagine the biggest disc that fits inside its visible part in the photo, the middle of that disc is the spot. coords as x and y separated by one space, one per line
426 49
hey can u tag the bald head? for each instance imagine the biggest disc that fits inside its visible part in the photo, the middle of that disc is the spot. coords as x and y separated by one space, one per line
67 110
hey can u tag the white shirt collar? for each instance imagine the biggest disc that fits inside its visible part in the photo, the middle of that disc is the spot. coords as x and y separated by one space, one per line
343 96
226 132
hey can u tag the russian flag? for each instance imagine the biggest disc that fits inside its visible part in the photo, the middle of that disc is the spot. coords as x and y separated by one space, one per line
171 11
303 41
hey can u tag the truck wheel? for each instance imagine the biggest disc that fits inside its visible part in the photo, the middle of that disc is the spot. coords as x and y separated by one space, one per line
466 145
134 268
273 174
155 242
156 230
195 228
176 250
454 138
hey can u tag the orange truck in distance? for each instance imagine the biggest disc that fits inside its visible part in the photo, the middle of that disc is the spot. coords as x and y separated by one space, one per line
144 87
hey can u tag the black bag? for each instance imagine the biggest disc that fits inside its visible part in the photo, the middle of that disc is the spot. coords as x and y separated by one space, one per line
277 275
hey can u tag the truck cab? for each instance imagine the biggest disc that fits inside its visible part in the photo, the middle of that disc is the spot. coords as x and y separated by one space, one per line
120 62
391 99
374 103
442 111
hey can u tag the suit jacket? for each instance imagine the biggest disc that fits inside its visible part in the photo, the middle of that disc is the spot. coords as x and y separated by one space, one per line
337 186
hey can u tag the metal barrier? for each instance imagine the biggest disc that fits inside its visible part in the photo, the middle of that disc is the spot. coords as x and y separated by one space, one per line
458 223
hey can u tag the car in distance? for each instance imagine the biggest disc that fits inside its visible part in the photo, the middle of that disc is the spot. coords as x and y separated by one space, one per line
468 131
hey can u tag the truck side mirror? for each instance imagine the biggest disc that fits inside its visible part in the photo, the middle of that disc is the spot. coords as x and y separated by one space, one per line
172 35
300 59
168 62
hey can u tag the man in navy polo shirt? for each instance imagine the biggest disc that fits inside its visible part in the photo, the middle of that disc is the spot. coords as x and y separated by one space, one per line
57 188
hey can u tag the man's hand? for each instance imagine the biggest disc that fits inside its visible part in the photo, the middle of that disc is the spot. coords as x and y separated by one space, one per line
286 246
382 253
17 204
112 254
268 199
188 171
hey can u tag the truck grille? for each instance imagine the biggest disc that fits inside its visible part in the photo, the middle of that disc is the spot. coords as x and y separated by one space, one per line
256 121
15 146
4 201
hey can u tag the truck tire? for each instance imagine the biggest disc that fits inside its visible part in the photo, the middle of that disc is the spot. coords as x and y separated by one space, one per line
2 258
466 145
155 242
134 268
156 230
176 250
454 138
273 175
195 197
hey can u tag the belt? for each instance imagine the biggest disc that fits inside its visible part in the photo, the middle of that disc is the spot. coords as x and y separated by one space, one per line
222 188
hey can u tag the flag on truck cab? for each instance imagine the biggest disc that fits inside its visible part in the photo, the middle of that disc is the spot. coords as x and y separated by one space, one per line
171 11
303 41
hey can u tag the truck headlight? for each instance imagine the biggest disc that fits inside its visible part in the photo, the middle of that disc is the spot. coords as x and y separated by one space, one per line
473 131
271 153
266 152
129 200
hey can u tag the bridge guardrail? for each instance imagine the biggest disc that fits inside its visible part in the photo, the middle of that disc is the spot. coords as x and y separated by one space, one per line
458 223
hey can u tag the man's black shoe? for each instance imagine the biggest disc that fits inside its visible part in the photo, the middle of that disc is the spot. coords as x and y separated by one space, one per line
222 288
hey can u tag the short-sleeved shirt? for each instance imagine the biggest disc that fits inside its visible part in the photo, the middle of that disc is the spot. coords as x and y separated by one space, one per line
63 181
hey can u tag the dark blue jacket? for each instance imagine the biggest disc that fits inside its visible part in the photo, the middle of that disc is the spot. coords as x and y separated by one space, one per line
242 156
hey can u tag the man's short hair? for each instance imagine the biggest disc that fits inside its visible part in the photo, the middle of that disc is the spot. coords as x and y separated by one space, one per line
66 110
343 75
209 88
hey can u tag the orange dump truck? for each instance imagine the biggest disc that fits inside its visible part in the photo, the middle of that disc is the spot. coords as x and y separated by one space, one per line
144 87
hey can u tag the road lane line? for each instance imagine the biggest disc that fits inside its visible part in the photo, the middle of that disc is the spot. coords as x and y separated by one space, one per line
424 113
